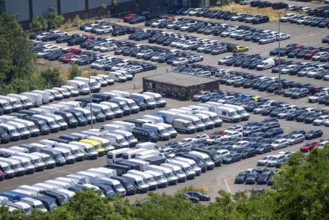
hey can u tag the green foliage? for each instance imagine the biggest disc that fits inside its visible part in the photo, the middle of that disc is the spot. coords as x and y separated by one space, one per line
300 192
183 94
54 20
39 24
51 77
76 21
16 60
74 71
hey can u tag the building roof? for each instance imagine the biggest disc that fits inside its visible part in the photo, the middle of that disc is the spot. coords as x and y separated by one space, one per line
179 79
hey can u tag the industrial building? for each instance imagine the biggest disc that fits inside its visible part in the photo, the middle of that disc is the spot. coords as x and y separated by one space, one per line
172 84
26 10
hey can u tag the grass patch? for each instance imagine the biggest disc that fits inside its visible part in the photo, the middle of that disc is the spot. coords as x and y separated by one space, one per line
274 15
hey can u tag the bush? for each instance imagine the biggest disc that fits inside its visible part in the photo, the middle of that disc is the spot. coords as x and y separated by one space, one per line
76 21
74 71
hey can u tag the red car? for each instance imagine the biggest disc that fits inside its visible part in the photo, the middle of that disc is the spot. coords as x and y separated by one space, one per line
2 176
127 18
308 146
73 50
310 54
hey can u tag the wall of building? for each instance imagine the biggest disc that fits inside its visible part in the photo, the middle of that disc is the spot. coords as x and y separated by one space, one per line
72 6
98 3
41 7
22 11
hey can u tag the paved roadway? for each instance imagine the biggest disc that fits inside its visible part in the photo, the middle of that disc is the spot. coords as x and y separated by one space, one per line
222 177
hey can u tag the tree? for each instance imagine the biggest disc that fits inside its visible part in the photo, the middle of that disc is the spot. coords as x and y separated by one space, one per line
74 71
54 20
102 10
17 59
51 77
76 21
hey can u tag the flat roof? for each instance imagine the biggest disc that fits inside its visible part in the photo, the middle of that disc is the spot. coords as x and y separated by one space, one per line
179 79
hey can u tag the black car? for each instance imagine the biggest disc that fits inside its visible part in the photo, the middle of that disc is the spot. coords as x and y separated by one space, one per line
252 178
196 196
240 178
312 134
235 157
273 132
264 148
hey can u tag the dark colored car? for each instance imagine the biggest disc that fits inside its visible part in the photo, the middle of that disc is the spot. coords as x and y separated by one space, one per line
264 177
197 196
312 134
235 157
252 178
240 178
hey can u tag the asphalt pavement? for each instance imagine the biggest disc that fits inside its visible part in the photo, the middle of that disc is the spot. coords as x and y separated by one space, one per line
221 177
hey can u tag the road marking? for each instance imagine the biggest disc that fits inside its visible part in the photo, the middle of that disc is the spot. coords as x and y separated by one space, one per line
227 186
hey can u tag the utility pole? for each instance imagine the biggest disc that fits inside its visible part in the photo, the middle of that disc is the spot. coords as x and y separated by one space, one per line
90 102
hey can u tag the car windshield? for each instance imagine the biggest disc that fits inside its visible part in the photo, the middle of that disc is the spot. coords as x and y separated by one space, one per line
97 146
90 150
40 206
162 131
5 168
118 187
188 124
170 174
120 140
130 137
141 182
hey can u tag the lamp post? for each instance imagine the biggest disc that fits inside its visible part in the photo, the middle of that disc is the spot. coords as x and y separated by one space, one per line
279 54
90 102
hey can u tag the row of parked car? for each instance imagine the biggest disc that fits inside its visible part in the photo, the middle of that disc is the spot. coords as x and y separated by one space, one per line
305 20
315 53
258 62
227 15
71 114
258 176
126 177
242 32
264 106
186 42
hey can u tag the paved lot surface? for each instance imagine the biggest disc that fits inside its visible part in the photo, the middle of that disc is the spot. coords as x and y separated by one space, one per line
222 177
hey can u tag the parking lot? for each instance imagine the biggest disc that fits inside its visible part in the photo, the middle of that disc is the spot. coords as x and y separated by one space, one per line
221 177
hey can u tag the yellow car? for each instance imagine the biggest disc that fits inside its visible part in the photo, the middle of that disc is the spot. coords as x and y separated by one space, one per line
98 145
240 49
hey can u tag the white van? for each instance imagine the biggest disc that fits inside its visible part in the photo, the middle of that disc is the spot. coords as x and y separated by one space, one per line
87 149
22 129
60 121
104 108
159 177
115 184
69 157
210 164
266 64
190 173
214 117
16 165
115 108
169 128
100 80
127 126
52 123
57 95
7 169
117 77
131 103
244 114
177 170
75 150
7 108
132 153
168 173
35 98
142 164
192 163
116 140
46 96
37 161
74 92
26 102
160 102
116 155
82 87
27 163
93 84
127 135
107 78
47 159
139 182
149 179
34 130
12 131
63 91
152 118
14 102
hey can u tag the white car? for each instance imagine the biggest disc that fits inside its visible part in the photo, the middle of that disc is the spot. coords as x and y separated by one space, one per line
320 120
180 61
280 143
238 128
231 135
296 138
223 153
314 98
263 160
240 144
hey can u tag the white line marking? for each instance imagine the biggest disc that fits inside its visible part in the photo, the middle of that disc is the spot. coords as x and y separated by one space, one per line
227 186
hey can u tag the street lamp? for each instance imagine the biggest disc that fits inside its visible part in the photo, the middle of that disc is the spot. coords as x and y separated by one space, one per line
90 102
279 54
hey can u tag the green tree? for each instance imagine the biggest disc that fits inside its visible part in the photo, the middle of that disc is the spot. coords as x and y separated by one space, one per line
102 10
54 20
51 77
17 59
76 21
74 71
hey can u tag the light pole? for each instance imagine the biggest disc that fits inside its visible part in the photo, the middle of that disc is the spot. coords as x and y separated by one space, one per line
279 54
90 102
